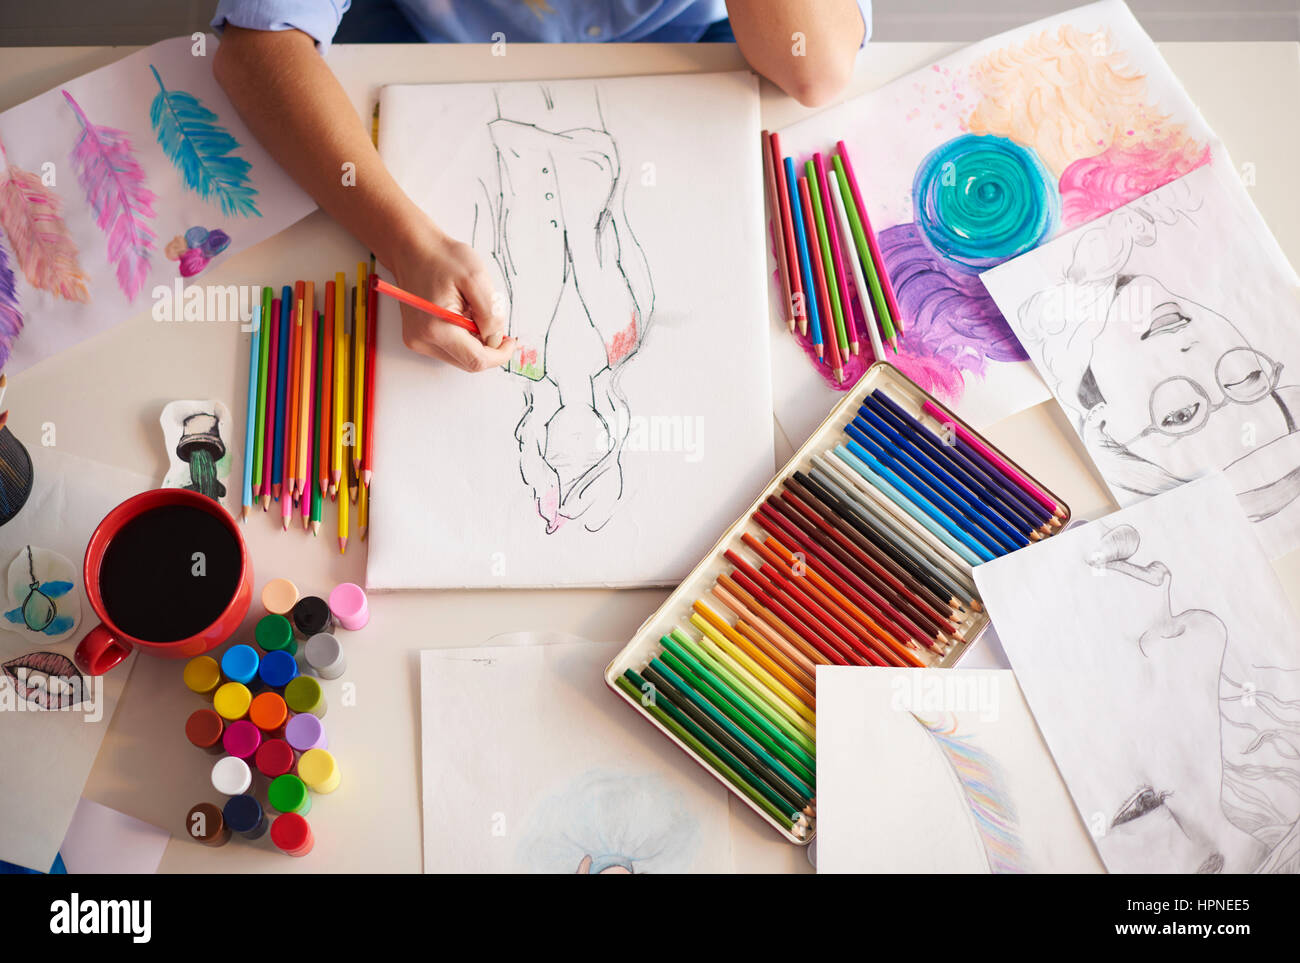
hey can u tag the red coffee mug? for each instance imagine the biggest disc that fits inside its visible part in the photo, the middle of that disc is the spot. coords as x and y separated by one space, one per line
106 645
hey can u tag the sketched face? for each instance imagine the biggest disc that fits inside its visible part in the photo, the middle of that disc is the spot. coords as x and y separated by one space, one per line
46 680
1180 381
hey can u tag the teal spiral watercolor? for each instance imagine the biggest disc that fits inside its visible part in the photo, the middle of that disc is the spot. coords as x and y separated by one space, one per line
981 199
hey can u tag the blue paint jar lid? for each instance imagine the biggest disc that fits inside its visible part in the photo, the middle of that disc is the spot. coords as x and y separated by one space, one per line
278 669
239 664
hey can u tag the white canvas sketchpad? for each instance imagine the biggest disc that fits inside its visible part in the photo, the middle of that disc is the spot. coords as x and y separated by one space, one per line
1157 652
938 771
636 420
1168 332
532 765
94 212
1035 130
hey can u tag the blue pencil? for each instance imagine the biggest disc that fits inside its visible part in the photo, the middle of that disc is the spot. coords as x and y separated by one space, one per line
281 393
250 430
805 262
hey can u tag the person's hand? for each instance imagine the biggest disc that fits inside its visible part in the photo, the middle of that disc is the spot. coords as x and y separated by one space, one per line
451 274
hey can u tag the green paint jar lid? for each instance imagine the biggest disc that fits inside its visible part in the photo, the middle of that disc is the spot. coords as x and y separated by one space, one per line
274 633
288 794
303 694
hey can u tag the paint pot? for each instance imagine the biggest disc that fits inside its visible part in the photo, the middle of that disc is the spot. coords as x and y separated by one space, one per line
231 776
304 694
278 669
324 656
348 603
279 596
311 616
204 728
292 835
269 713
232 701
274 758
205 824
305 732
319 771
202 675
239 664
288 794
243 814
241 739
274 633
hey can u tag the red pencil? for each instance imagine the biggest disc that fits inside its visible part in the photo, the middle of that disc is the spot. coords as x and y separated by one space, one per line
372 330
798 308
778 233
428 307
272 379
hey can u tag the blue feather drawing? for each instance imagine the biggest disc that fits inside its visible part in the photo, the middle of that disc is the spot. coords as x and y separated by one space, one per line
201 149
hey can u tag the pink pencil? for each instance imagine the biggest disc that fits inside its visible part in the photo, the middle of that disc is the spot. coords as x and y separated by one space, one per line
309 475
799 311
272 371
886 287
833 235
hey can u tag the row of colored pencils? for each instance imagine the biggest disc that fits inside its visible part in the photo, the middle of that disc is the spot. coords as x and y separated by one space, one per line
825 246
862 556
310 423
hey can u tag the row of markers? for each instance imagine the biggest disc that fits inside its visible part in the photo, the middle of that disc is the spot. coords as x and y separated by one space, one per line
861 558
825 249
309 435
266 718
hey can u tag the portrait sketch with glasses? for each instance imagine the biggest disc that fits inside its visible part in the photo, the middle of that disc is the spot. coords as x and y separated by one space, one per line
1169 331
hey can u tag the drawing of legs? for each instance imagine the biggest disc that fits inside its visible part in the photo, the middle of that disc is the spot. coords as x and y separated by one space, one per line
580 300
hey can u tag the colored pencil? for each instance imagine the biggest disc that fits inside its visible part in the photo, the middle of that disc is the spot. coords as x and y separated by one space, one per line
293 396
798 310
344 507
855 268
327 389
282 391
267 325
825 339
306 379
836 332
893 313
849 337
359 370
319 469
866 253
428 307
272 375
340 380
809 320
310 388
776 227
372 346
363 511
250 429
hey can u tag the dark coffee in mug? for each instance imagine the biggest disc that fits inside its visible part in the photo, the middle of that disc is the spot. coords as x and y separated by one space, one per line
169 573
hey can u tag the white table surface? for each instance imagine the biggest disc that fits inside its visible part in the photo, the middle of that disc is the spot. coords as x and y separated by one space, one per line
104 396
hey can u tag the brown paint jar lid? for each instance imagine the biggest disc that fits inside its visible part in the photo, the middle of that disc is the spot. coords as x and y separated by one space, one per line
204 728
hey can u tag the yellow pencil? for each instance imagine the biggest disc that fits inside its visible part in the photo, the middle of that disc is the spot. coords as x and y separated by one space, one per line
302 478
359 371
343 521
340 374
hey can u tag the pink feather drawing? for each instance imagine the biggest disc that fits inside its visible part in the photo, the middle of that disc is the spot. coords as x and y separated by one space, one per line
11 318
113 182
31 215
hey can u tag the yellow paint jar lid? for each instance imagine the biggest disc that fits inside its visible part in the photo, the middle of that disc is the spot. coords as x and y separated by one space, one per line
202 674
232 701
318 770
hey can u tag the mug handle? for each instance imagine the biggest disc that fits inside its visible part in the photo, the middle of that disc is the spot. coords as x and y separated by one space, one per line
99 651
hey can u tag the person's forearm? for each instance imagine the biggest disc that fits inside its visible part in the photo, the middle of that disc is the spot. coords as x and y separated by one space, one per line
805 47
297 109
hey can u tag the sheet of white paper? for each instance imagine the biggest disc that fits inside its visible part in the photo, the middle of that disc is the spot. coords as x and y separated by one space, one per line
938 771
1167 331
1157 652
103 840
119 176
636 419
45 756
978 157
532 765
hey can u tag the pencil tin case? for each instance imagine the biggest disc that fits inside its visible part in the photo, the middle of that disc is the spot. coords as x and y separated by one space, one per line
677 610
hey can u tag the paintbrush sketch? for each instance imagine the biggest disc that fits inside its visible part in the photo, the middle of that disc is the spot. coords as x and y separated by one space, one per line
580 299
1245 798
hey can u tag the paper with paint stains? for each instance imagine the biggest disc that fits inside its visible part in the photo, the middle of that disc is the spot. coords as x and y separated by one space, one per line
979 157
620 222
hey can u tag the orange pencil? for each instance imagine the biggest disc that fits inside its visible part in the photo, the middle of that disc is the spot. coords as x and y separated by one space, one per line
327 391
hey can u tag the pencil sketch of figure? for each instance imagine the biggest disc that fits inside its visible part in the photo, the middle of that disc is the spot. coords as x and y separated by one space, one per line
610 823
1239 809
580 296
1162 386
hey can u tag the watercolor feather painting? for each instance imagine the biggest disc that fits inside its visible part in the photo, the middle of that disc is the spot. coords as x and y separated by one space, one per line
981 157
32 217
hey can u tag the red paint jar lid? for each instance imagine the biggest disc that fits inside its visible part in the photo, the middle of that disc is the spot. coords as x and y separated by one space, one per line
274 758
292 834
204 728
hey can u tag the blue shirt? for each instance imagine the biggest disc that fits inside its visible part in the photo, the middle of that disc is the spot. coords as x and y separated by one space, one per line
524 21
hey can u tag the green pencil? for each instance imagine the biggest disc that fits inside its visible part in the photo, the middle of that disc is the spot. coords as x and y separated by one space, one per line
828 262
864 255
259 429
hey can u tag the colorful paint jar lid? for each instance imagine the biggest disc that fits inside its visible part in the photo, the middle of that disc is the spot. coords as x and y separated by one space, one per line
319 771
278 669
303 694
325 656
240 663
348 603
231 776
202 674
292 834
232 701
242 813
274 633
268 711
241 739
205 825
204 728
279 596
305 732
312 615
274 758
288 794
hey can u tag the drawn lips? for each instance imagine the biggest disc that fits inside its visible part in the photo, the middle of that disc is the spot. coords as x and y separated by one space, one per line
46 679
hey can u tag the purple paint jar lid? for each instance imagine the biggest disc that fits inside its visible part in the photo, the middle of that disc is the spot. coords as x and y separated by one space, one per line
241 739
304 731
